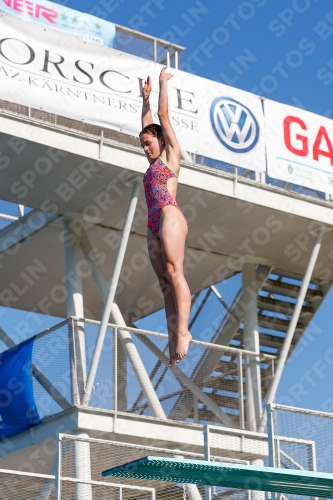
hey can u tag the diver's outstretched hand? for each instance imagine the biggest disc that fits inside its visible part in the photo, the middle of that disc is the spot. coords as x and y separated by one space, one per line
147 87
165 76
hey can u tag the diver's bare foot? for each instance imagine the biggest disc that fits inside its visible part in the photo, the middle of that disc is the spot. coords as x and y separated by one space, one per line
182 342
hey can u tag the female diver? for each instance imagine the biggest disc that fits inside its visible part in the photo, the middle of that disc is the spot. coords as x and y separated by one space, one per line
167 226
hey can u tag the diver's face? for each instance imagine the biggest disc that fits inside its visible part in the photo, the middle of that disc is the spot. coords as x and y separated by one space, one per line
152 146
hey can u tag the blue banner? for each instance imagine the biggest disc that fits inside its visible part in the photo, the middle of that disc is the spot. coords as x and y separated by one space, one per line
18 410
52 15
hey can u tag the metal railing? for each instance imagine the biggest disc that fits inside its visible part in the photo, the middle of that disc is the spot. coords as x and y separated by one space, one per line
149 47
307 440
111 136
23 485
82 459
59 378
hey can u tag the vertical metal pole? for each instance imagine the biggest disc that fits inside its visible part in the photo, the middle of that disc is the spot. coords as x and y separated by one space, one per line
251 343
20 210
195 409
75 308
192 492
75 393
155 51
208 490
292 325
57 472
271 440
50 485
82 468
75 297
72 260
168 57
278 455
112 290
313 456
115 371
176 60
235 169
271 435
100 143
241 391
122 373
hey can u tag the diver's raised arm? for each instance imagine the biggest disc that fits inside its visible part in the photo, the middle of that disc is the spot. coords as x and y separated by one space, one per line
146 116
171 144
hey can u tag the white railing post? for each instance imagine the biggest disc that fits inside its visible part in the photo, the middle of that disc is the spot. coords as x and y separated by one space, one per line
176 59
240 391
271 440
208 490
74 300
115 370
155 50
75 393
57 469
271 435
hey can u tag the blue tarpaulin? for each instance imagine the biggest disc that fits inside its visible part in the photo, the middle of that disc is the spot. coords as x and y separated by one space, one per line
18 410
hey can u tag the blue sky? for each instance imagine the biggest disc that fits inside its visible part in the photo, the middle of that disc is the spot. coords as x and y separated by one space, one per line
287 42
288 48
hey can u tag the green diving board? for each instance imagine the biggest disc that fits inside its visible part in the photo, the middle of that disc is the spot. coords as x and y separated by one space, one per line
247 477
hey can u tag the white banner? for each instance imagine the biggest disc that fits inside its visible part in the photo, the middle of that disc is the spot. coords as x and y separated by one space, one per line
61 74
299 146
59 17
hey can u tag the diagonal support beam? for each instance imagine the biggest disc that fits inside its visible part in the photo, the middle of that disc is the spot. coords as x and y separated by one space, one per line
112 290
224 335
185 381
24 227
125 336
292 326
50 388
39 376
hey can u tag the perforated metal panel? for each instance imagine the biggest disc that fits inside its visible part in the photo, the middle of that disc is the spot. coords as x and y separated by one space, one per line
16 486
303 440
101 455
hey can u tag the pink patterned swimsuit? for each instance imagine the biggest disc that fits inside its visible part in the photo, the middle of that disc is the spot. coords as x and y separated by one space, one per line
157 194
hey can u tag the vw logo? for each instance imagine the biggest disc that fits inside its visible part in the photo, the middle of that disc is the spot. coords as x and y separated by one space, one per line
234 124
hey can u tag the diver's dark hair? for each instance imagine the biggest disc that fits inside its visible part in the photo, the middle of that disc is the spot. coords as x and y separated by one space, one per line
152 129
